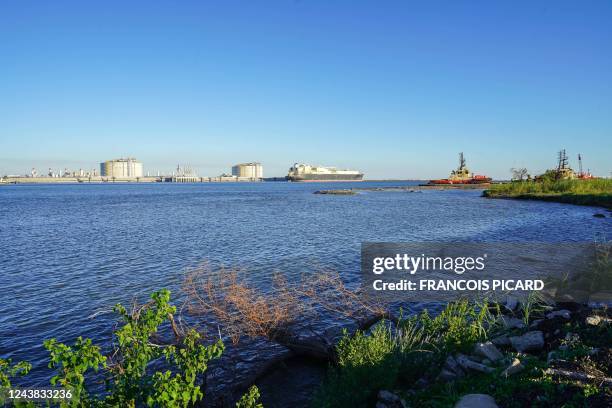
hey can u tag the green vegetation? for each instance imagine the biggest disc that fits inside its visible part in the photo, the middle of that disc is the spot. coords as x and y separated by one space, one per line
250 399
129 377
535 386
407 359
532 387
386 358
597 192
9 370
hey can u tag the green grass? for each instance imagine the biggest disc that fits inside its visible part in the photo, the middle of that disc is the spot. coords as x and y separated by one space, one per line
531 385
597 192
395 359
385 359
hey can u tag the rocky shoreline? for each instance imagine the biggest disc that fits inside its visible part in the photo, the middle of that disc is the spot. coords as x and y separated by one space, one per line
566 343
569 342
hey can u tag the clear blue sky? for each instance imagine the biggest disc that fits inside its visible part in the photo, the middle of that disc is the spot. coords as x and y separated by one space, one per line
393 88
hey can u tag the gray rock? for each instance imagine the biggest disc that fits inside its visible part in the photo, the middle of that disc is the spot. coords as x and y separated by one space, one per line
530 341
390 400
513 368
387 396
566 314
468 364
447 376
478 359
502 340
535 323
381 405
453 366
512 323
488 350
511 303
476 401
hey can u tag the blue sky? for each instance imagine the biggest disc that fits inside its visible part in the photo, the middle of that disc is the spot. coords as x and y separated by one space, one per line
393 88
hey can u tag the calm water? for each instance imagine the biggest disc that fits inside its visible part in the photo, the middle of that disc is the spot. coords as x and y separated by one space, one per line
67 252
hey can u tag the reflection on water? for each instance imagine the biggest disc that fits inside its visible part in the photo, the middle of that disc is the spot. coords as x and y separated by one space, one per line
69 251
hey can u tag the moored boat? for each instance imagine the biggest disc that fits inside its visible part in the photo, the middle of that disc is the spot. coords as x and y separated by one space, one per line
462 175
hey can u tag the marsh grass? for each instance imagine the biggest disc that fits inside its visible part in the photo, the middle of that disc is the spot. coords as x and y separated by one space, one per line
534 304
398 356
583 192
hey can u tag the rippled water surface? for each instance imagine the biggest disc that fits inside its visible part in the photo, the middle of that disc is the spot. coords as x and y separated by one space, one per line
69 251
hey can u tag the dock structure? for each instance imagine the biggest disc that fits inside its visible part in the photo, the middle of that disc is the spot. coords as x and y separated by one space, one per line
103 179
84 179
230 179
182 179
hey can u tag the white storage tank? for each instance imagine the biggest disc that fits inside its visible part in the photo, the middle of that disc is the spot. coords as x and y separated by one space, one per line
248 170
121 168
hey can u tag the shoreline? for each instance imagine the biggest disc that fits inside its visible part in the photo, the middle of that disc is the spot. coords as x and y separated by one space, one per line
602 201
591 192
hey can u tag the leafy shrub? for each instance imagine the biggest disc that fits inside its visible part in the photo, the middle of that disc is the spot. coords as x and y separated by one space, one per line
250 399
72 363
130 379
9 370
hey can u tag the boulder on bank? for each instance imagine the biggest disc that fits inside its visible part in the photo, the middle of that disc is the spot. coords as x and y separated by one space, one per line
566 314
512 323
511 303
488 351
530 341
466 363
501 340
387 399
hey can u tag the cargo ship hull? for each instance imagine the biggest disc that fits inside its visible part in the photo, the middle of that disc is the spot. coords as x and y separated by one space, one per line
325 177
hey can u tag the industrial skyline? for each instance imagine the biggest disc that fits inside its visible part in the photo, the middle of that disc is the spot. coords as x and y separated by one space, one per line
394 89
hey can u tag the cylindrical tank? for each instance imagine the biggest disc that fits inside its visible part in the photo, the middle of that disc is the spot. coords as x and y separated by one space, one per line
248 170
121 168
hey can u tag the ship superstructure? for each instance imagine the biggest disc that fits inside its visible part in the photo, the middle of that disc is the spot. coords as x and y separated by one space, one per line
306 172
462 175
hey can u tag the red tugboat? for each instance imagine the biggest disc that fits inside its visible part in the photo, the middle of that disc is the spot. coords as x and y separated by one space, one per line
462 176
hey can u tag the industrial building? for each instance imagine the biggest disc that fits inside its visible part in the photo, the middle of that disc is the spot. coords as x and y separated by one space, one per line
248 170
121 168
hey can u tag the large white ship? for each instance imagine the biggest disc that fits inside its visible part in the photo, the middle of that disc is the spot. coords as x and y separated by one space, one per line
306 172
